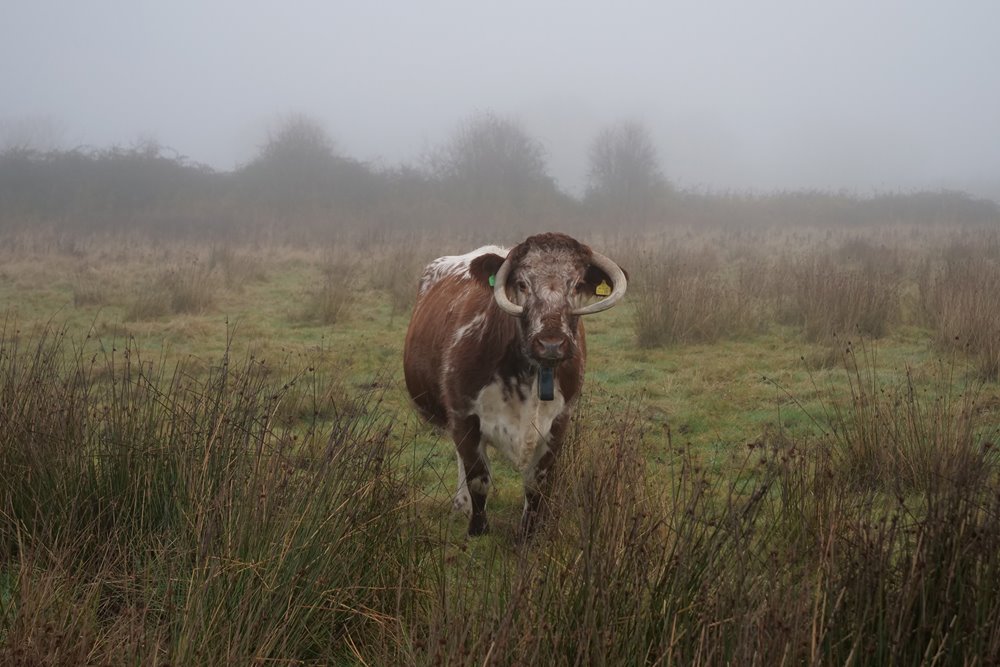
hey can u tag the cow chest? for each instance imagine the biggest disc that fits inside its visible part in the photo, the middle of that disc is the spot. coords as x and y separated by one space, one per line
516 422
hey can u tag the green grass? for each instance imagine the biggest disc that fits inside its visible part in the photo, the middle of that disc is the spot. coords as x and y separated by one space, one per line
713 395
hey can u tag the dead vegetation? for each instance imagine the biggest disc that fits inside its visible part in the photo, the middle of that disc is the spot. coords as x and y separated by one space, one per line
960 299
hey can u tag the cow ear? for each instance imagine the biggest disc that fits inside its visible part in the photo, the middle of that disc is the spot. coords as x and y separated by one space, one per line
596 278
483 267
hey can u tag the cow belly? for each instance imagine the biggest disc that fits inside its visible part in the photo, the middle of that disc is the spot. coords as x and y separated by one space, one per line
513 426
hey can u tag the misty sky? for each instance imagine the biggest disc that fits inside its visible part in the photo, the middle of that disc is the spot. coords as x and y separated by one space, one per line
738 95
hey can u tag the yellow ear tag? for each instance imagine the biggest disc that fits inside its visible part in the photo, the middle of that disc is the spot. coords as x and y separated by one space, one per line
604 289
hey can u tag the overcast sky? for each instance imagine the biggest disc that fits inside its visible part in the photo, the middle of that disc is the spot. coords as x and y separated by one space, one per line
738 95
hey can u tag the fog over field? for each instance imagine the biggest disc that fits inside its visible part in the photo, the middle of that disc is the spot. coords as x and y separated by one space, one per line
737 96
223 329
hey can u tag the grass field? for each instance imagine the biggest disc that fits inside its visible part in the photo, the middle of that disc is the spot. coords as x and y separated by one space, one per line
784 455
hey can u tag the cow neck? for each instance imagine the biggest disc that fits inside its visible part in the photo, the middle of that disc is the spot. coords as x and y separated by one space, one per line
515 368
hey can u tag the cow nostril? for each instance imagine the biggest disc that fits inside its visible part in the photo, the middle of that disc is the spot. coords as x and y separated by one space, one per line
551 348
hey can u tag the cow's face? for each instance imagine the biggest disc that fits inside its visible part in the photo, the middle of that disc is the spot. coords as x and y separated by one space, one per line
550 277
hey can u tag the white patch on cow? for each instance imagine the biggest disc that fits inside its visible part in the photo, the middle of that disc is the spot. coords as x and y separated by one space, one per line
479 485
519 429
533 477
454 265
463 501
471 328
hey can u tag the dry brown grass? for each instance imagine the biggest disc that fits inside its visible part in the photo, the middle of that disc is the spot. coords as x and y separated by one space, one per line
690 297
826 300
188 288
329 298
900 436
396 271
703 289
961 302
90 288
226 512
783 566
148 518
237 267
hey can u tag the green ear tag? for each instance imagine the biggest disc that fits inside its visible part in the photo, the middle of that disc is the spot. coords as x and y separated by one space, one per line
604 289
493 281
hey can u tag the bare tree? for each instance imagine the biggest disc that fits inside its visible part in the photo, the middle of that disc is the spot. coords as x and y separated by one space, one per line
624 178
299 167
299 139
494 167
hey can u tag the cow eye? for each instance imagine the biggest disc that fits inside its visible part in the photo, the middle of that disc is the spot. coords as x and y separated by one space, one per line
521 285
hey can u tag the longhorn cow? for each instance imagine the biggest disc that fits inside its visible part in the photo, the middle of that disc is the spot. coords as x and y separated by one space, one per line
495 355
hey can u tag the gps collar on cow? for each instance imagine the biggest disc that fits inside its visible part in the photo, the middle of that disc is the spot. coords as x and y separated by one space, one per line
546 383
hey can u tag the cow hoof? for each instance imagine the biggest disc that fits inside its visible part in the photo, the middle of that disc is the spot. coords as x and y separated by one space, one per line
463 503
478 526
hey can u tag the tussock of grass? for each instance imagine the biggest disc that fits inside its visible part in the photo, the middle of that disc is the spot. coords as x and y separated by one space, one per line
961 301
236 268
149 518
178 290
329 300
396 273
902 437
693 295
687 298
827 300
90 289
786 566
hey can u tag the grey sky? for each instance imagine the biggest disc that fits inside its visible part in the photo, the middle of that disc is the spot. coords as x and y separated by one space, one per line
738 95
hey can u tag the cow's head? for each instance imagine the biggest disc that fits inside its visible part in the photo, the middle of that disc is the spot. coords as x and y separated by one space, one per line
548 281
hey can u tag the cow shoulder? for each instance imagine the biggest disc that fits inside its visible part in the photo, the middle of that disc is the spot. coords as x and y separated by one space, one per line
456 266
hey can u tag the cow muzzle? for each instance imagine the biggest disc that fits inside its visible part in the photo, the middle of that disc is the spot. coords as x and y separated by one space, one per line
550 350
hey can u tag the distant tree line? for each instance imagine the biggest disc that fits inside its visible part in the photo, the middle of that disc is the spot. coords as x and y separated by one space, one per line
490 172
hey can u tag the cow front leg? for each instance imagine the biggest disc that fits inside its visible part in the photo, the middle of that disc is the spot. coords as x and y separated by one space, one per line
463 501
538 477
537 484
474 476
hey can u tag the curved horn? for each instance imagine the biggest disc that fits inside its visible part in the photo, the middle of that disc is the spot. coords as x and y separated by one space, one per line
618 285
500 290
